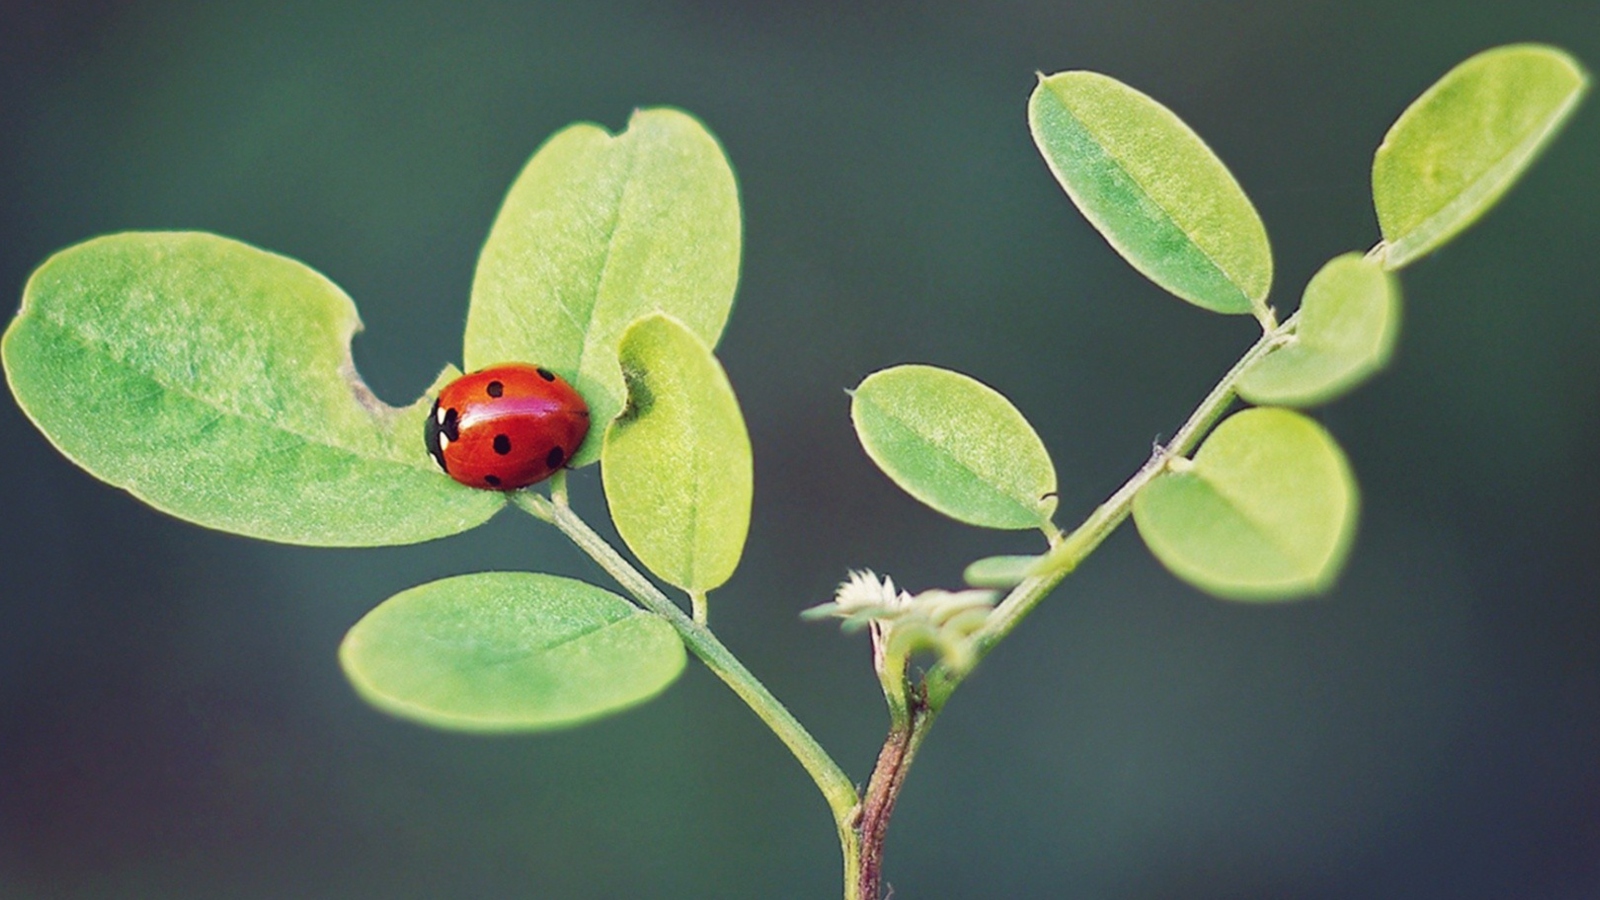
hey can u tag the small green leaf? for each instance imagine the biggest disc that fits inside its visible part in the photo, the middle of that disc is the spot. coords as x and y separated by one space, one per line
1453 153
1349 319
1154 190
676 464
957 445
596 232
213 381
999 572
509 651
1265 511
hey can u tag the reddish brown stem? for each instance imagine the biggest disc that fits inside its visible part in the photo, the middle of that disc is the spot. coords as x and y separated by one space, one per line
877 805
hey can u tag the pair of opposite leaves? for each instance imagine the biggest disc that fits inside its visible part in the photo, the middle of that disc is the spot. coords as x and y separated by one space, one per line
214 380
1267 508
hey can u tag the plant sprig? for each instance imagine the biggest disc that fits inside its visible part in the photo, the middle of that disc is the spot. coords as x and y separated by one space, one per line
214 380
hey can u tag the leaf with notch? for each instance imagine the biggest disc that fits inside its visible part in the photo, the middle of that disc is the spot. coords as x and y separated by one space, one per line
676 464
213 381
597 231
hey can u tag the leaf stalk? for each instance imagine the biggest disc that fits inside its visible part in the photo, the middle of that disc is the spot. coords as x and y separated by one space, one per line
836 787
1066 555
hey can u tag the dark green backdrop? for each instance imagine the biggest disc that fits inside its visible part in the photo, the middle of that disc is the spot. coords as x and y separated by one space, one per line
172 720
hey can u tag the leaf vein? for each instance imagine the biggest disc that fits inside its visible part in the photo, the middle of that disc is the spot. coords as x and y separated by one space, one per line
111 352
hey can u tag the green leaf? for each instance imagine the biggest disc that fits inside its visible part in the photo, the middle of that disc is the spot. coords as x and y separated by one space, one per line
1349 319
596 232
1265 511
213 381
676 464
1154 190
1466 140
509 651
999 572
957 445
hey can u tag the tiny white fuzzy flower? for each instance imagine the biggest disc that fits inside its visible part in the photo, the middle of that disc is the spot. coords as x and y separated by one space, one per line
864 590
900 624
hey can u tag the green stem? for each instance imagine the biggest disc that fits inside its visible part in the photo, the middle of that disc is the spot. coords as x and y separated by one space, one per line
891 669
836 787
862 822
1065 556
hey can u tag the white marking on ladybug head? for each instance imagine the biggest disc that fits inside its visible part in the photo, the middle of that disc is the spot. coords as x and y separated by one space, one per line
438 415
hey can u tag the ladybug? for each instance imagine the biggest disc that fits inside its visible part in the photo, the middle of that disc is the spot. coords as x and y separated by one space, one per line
506 427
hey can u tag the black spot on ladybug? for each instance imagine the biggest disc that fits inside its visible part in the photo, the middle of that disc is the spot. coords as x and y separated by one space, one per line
430 438
505 420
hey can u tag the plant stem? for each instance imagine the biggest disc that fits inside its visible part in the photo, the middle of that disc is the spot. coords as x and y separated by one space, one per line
863 821
1065 556
836 787
888 777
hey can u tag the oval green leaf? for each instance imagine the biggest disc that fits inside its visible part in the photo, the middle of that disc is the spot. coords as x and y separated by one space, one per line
1453 153
1265 511
999 572
1348 321
957 445
1154 190
509 651
213 381
676 464
597 231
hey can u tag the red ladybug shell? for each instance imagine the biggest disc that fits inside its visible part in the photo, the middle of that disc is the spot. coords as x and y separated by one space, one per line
506 427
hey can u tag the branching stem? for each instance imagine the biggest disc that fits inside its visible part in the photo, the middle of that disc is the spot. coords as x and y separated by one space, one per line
863 821
1066 555
836 787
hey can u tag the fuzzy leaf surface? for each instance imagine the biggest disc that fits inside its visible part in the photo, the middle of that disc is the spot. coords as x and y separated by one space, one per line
597 231
213 380
957 445
509 651
1153 188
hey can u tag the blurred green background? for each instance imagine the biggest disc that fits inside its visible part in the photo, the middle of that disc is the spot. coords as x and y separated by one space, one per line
173 723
